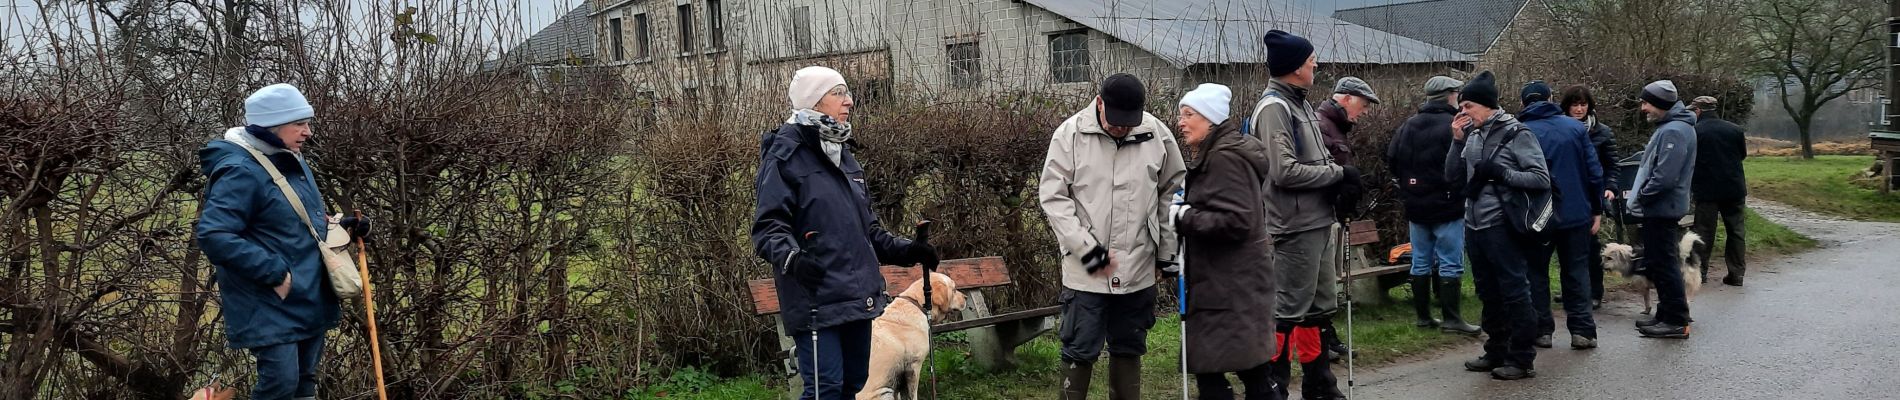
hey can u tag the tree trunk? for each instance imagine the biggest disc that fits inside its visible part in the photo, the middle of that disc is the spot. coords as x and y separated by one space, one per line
1805 123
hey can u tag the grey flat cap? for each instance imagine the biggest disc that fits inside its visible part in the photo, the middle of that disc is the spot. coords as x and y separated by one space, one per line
1357 87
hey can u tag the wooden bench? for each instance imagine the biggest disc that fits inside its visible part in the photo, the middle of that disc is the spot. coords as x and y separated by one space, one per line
993 337
1382 277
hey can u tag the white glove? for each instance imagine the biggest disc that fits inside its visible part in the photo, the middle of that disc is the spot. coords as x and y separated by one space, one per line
1175 211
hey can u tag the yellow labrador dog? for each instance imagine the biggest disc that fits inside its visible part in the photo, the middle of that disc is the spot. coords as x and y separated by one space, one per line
900 340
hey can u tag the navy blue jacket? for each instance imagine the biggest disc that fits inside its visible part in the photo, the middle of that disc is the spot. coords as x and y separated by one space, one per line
802 191
249 231
1572 161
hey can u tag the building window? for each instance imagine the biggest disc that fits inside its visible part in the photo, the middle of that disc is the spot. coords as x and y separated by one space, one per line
966 64
686 29
801 29
615 35
643 37
715 25
1069 57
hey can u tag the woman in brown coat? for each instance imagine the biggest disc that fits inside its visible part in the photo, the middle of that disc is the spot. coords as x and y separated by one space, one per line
1221 220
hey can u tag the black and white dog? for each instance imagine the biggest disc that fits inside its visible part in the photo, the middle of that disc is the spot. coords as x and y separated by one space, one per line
1622 259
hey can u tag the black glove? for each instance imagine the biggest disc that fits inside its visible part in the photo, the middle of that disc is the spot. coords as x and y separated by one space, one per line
1095 259
805 270
922 253
1347 194
1489 171
1169 270
358 227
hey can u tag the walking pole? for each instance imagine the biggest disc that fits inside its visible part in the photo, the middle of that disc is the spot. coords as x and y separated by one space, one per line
930 352
1341 263
811 293
369 310
1180 293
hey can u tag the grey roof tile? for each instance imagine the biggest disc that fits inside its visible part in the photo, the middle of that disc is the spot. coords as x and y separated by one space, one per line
1189 32
1468 26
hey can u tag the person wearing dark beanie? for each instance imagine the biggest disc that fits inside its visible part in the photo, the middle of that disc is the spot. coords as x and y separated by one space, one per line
1300 216
1482 90
1503 161
1660 197
1286 52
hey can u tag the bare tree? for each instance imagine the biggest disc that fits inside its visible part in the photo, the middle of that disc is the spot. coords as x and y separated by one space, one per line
1817 51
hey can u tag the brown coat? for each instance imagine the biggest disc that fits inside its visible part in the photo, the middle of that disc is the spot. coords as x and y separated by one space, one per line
1230 291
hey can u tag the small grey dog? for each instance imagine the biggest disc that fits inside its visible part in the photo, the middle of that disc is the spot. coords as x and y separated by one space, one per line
1621 258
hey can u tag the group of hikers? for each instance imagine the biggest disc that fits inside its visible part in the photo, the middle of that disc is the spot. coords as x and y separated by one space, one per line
1246 210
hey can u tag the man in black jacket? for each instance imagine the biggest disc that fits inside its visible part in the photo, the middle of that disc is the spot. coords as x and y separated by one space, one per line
1434 207
1719 188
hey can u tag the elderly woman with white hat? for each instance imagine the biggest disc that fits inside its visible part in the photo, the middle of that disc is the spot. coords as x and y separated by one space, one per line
276 295
1222 223
814 225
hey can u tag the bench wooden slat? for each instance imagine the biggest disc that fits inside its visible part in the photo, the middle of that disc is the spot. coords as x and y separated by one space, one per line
995 319
1377 271
970 273
1361 232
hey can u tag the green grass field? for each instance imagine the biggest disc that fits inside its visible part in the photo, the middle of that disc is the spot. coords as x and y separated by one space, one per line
1823 185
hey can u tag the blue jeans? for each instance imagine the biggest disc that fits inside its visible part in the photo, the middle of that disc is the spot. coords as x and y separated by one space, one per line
287 370
1438 246
1573 249
843 360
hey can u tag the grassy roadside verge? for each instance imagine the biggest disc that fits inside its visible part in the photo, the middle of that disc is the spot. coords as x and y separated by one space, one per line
1824 184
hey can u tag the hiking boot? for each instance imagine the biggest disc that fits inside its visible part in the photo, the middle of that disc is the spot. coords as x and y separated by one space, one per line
1732 280
1482 364
1512 373
1641 323
1448 303
1578 342
1422 301
1542 342
1665 331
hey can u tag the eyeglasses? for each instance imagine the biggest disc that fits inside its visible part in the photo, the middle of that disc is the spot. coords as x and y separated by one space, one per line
841 92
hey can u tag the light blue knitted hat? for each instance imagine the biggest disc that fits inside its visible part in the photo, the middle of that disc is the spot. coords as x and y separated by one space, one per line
276 105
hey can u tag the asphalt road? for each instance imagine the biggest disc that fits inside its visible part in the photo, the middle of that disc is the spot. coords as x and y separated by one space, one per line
1824 324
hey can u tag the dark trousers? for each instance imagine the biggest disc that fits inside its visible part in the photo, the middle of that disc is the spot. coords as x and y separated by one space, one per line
1734 251
288 370
1090 320
1596 270
1503 286
1258 386
1573 249
1661 260
843 360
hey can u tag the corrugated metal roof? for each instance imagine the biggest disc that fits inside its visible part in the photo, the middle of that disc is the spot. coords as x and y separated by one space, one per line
1189 32
1468 26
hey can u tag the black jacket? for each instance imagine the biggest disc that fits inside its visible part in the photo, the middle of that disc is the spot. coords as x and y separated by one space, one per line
1416 157
1605 141
800 191
1720 148
1333 124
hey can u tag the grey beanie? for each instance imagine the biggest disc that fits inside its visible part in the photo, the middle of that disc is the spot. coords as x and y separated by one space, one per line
1440 86
1661 94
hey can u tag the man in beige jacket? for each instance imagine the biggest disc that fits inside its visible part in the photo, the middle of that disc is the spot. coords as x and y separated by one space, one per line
1106 184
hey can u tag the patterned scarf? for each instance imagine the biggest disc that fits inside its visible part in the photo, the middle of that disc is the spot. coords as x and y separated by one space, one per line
833 133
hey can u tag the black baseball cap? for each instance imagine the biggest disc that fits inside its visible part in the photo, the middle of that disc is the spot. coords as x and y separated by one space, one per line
1123 98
